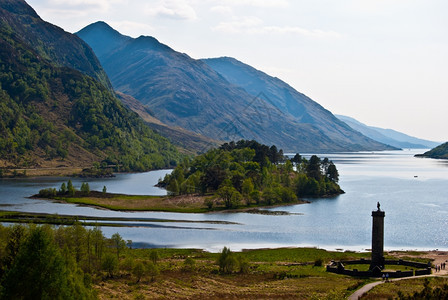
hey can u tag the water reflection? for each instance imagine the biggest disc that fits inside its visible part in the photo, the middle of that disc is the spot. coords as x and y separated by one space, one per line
411 190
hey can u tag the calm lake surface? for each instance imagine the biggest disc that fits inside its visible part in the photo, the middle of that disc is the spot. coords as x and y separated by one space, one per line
412 191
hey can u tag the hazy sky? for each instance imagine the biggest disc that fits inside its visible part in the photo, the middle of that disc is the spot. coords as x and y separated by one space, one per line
383 62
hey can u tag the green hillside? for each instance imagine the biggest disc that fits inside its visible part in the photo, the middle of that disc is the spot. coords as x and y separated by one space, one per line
52 115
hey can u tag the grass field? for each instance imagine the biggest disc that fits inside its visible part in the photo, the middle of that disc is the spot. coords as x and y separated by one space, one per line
391 290
286 273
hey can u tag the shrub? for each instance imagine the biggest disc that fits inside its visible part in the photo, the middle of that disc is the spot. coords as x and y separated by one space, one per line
110 264
50 192
243 264
209 203
189 264
154 256
138 270
152 270
227 261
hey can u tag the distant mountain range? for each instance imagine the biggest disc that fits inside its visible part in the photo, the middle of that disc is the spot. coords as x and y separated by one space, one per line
388 136
439 152
201 96
57 107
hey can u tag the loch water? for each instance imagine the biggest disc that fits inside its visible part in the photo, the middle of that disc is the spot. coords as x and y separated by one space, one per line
412 191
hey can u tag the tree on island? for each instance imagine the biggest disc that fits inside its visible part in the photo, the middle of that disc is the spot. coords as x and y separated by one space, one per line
85 188
256 173
70 188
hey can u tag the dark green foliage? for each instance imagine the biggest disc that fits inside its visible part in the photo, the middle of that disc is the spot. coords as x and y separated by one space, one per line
189 264
255 173
154 256
209 203
227 261
243 263
85 188
440 152
48 111
49 192
313 167
297 159
70 188
152 270
118 244
138 270
63 188
39 271
110 264
332 173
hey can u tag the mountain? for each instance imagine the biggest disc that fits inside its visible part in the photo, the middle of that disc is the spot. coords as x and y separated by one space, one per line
189 93
440 152
56 104
388 136
290 102
50 42
187 141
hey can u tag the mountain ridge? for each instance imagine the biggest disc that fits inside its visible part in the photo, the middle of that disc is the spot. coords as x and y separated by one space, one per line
285 98
185 92
51 42
388 136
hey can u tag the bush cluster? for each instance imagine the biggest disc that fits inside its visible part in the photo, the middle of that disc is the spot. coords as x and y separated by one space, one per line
255 173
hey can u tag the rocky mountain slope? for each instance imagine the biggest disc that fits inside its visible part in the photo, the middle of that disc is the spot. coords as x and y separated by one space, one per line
189 93
187 141
290 102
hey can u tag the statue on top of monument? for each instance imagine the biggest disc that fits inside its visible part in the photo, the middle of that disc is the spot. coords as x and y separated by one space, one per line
378 205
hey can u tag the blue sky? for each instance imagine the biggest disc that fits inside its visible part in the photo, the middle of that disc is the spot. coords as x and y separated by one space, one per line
383 62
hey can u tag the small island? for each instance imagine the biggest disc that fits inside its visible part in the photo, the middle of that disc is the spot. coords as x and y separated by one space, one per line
235 176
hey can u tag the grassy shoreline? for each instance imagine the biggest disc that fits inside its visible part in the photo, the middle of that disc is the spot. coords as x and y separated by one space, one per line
178 204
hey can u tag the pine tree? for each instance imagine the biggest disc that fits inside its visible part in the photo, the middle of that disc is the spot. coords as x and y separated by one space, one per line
63 188
70 188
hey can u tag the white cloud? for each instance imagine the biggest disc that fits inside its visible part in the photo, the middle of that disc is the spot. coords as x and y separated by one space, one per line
317 33
254 25
243 25
84 4
174 9
258 3
225 10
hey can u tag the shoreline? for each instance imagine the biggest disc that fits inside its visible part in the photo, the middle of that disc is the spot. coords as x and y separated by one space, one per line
12 217
177 204
57 220
57 172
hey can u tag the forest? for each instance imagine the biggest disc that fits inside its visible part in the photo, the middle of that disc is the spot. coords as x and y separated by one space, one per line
51 112
254 173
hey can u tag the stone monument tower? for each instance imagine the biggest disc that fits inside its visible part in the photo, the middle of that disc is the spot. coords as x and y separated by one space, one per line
377 239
